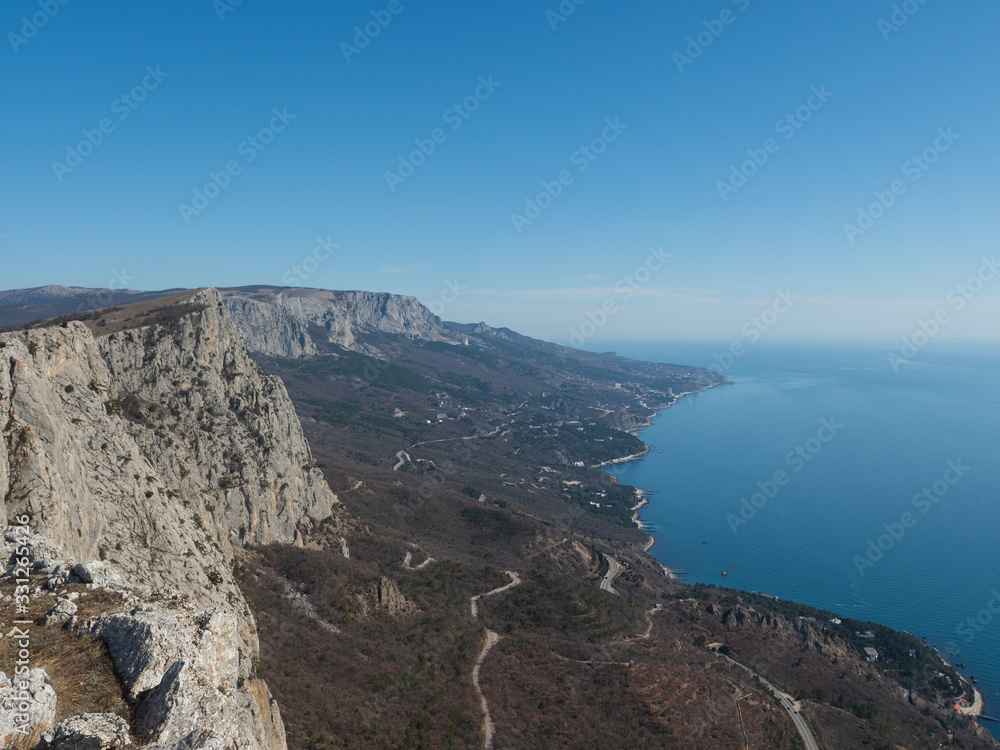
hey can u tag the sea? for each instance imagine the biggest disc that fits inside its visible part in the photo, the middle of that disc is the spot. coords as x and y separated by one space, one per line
828 476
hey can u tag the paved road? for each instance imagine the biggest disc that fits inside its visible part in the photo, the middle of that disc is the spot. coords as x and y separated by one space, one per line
614 568
800 723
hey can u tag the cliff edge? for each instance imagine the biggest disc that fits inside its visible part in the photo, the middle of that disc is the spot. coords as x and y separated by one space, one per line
143 445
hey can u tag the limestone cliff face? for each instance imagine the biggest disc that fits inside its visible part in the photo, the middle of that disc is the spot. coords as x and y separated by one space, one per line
223 433
158 450
283 322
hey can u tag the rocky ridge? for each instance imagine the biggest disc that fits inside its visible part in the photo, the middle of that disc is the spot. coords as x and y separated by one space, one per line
284 322
142 459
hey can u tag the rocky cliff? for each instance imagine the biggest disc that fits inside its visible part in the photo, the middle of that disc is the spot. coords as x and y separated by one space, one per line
149 454
288 322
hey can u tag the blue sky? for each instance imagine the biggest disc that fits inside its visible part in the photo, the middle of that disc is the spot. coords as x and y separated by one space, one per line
686 117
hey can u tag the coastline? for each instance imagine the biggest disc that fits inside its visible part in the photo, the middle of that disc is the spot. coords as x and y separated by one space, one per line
974 711
623 459
656 411
978 706
643 501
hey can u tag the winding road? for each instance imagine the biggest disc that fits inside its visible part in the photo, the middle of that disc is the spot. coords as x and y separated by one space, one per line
614 568
403 456
491 640
488 729
408 559
515 580
800 724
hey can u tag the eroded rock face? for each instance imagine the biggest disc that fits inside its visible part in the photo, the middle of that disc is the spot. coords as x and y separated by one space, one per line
385 597
217 427
186 672
391 599
30 708
747 618
282 322
142 459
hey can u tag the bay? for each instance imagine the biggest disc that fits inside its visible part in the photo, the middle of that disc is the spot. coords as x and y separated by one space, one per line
869 516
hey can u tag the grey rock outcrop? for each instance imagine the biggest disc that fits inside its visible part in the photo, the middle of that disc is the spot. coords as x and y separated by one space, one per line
59 612
186 671
287 322
142 460
88 732
94 571
388 597
748 618
30 709
385 597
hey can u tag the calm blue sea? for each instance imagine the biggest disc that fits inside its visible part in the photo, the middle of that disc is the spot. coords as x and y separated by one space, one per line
889 436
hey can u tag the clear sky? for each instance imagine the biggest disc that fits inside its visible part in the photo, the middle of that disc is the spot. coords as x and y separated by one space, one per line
646 110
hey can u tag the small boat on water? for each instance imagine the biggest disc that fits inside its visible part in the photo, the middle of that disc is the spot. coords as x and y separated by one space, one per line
724 573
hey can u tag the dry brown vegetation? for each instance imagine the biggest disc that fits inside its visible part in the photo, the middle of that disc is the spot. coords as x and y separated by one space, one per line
570 670
383 681
105 321
79 668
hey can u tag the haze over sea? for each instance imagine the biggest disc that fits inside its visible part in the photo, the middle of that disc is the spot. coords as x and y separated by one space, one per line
900 431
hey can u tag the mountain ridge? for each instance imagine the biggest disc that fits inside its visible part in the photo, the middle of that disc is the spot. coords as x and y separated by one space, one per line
142 458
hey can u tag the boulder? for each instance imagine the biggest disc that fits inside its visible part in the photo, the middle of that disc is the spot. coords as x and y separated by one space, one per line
59 613
94 571
88 732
